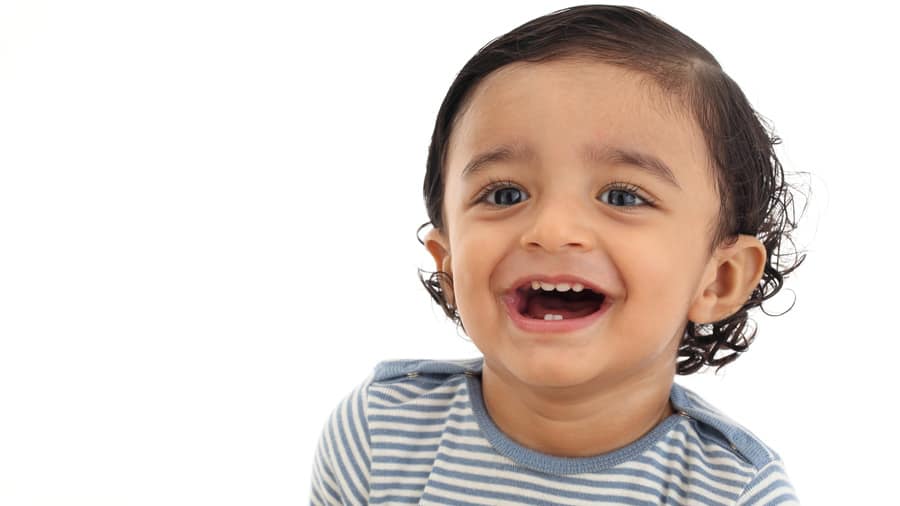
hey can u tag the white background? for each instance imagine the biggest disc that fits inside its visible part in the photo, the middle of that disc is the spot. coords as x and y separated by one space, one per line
207 235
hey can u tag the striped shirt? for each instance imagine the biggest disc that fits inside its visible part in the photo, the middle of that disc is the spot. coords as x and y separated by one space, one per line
418 432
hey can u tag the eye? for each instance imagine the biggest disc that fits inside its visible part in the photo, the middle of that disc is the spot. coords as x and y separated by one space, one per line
624 195
507 194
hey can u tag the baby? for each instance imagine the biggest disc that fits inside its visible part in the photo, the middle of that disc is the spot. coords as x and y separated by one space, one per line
607 207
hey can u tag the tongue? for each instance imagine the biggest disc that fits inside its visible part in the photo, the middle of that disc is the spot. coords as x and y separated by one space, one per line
544 303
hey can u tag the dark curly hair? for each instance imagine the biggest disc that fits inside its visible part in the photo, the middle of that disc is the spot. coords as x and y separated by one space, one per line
755 199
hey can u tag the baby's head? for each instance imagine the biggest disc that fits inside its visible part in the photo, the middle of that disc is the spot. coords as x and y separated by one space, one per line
630 163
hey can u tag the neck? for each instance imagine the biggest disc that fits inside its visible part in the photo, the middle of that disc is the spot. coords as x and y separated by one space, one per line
584 421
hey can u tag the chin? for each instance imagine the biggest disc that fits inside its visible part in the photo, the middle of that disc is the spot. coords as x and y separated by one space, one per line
556 369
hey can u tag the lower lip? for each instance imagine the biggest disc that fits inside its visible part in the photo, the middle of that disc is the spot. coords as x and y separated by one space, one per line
550 326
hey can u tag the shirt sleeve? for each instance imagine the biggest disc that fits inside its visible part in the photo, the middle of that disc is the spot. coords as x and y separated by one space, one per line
770 486
342 459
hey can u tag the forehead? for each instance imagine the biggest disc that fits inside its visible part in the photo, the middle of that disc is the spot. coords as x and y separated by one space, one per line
557 107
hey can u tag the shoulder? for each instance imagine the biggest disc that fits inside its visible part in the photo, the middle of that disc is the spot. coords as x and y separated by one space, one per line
767 481
719 427
389 395
390 370
399 383
411 376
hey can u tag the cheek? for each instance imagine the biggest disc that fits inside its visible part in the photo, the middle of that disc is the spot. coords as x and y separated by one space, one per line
472 260
659 272
652 256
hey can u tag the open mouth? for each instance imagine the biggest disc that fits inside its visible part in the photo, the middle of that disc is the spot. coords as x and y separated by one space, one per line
555 305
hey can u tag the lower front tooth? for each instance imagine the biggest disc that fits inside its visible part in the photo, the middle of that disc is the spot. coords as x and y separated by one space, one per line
549 316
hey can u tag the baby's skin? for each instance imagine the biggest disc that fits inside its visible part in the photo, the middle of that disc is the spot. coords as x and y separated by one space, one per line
607 179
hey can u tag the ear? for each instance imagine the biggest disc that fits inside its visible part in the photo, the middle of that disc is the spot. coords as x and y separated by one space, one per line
439 246
731 275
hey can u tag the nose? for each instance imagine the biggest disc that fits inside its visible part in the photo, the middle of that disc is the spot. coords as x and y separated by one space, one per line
560 223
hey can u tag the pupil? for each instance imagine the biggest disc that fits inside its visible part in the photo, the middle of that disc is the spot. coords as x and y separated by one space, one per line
620 198
504 191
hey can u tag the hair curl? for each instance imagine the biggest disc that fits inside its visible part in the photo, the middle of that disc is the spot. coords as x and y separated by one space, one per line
754 197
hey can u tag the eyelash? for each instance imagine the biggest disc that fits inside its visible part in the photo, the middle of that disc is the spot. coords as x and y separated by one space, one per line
495 184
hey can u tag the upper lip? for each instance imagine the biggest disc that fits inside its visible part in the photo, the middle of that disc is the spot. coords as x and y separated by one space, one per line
556 278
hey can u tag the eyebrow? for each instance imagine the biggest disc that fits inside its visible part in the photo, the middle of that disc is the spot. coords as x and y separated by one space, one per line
591 153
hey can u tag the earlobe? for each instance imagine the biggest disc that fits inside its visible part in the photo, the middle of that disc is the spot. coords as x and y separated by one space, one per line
731 276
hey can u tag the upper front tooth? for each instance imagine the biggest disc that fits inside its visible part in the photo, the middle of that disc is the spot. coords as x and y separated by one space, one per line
561 287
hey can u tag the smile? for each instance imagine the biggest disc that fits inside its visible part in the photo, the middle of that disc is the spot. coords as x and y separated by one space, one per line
533 311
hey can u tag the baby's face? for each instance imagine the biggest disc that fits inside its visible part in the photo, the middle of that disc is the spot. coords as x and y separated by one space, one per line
568 213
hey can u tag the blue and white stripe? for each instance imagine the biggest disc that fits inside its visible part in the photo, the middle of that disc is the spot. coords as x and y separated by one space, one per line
417 432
